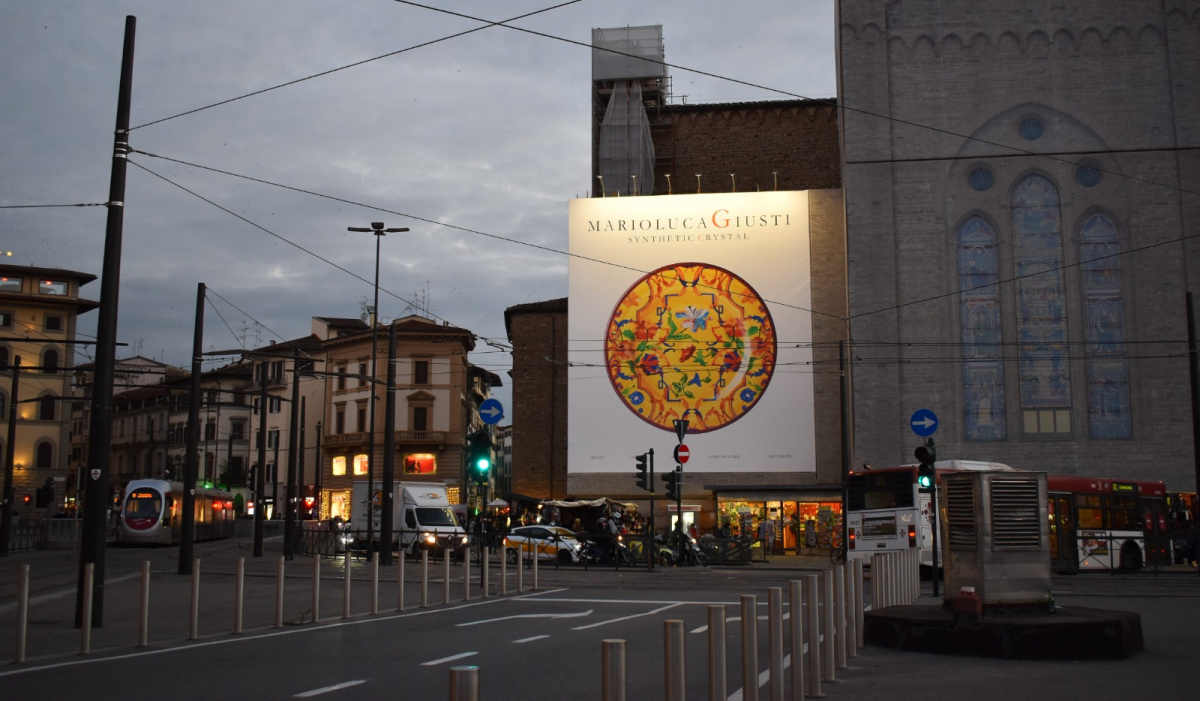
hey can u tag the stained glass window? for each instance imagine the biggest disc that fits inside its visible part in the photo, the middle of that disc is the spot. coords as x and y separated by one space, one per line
979 309
1104 329
1044 373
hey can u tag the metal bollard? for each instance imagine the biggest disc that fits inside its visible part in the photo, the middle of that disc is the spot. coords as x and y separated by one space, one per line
279 592
374 586
851 646
400 580
813 628
673 657
521 570
485 564
796 631
467 574
749 647
535 571
194 615
839 617
775 643
503 570
424 578
22 611
612 670
144 607
239 591
316 588
346 589
464 683
859 598
716 653
875 581
445 576
85 643
827 613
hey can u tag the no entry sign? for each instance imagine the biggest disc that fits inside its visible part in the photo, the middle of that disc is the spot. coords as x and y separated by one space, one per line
681 453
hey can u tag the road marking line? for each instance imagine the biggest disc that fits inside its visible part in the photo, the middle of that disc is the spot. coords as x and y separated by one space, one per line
451 658
530 640
627 618
327 689
525 615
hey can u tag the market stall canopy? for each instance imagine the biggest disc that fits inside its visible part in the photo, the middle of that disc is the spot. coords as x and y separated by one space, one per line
580 503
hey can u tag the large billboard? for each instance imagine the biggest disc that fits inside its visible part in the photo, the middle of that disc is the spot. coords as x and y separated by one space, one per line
691 307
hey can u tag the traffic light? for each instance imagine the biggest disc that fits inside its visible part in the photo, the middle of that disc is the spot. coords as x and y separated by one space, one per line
674 480
480 455
643 468
926 455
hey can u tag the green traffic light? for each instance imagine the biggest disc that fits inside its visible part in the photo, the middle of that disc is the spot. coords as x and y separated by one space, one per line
925 481
483 464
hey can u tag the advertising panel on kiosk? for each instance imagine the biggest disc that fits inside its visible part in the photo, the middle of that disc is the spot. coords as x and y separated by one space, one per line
691 307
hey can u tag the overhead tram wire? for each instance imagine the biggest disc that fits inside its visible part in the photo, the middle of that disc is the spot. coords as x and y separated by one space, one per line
414 217
354 65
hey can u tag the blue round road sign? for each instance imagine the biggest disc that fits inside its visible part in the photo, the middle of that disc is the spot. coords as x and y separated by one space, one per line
491 411
924 422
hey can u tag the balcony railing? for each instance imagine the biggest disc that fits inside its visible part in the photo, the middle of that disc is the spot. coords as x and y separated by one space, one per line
426 437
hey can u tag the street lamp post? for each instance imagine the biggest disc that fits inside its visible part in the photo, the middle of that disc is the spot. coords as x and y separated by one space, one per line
380 231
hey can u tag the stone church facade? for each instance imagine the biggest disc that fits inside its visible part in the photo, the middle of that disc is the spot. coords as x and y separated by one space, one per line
1022 185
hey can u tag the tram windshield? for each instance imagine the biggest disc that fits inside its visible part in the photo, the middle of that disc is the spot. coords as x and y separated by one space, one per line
143 503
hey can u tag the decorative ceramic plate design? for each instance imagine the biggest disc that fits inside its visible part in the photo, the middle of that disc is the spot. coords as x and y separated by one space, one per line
690 341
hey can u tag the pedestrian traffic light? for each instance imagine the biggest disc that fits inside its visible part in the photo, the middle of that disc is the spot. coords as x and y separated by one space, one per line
926 455
480 455
643 468
674 480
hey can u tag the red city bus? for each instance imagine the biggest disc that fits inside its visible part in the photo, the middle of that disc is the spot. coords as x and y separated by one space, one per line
1104 524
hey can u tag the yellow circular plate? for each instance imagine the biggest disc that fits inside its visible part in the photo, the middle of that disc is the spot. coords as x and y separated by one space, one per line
690 341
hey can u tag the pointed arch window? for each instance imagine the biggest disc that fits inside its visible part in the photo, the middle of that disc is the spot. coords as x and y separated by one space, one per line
1104 329
979 311
1045 380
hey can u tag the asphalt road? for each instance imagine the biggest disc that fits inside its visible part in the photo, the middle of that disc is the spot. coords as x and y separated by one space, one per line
534 645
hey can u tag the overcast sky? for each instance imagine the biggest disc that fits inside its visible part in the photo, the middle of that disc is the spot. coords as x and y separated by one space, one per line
475 143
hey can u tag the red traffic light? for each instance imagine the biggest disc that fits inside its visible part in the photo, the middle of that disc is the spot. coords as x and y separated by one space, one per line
28 499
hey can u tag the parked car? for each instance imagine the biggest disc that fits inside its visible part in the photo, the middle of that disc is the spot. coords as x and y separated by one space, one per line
549 542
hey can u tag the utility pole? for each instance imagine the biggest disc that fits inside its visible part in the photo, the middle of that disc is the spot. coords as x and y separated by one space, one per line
192 458
96 504
289 511
389 453
9 451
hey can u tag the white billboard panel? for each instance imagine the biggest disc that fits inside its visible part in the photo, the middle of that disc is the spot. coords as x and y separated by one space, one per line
691 307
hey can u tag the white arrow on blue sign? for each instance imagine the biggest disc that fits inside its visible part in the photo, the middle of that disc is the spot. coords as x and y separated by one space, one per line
924 422
491 411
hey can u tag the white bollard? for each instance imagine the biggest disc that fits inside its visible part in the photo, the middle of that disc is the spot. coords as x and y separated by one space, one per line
796 635
674 659
144 607
445 576
749 647
813 620
535 571
716 653
375 586
851 647
775 643
521 570
503 571
612 670
485 565
876 602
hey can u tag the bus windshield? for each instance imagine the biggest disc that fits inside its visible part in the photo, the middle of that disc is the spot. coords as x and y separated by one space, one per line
881 490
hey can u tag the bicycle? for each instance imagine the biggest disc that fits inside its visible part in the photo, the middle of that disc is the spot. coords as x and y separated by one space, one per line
837 555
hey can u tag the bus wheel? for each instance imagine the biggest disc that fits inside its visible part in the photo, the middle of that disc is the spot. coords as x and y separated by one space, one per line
1131 557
